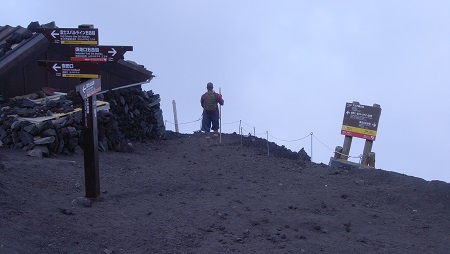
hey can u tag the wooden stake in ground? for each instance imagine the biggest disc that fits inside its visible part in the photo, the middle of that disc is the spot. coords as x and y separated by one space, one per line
175 117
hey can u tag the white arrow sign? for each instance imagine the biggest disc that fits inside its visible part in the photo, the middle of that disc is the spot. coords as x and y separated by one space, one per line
113 52
56 67
54 33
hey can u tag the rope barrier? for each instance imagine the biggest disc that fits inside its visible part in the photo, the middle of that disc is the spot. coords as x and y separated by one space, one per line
230 123
360 156
290 140
248 124
266 135
191 121
186 122
247 131
260 134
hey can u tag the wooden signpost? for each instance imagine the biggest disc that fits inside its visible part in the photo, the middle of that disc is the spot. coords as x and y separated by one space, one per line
67 69
98 53
360 121
83 65
75 36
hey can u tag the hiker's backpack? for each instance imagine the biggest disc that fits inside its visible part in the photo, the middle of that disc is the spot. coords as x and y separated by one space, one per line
210 103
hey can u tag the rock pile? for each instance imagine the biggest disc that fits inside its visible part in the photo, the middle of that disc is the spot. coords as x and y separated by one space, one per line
138 113
263 145
134 115
18 37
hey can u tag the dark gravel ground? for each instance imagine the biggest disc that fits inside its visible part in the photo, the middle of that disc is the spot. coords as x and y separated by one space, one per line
177 195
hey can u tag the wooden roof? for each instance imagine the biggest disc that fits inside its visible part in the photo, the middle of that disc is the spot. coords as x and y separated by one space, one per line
20 50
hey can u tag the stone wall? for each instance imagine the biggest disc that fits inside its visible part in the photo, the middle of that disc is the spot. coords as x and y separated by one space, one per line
134 115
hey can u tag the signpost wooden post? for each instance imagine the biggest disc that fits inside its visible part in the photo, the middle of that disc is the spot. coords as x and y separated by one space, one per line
346 147
87 91
368 156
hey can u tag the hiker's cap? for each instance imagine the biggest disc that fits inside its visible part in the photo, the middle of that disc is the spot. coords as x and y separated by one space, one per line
209 85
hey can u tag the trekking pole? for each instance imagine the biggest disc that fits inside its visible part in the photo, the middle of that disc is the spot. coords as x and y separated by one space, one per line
220 118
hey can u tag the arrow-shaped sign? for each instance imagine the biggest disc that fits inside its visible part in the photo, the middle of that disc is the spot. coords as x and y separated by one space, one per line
66 69
112 51
56 67
53 33
89 88
98 53
76 36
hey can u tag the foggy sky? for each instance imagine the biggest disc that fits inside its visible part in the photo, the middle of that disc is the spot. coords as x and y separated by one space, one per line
288 67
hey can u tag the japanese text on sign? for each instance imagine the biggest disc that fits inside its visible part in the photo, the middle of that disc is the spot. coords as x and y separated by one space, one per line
83 36
86 50
73 70
76 32
360 121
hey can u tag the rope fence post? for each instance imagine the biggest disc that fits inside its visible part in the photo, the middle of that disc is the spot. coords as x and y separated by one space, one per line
175 118
267 132
311 134
240 124
240 133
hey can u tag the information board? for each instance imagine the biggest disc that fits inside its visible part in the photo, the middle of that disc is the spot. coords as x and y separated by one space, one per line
360 121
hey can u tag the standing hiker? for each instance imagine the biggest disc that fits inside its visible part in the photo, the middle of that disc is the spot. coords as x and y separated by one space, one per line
211 116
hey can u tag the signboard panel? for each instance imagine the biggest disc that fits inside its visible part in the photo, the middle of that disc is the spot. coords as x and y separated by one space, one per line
79 36
360 121
73 69
89 88
98 53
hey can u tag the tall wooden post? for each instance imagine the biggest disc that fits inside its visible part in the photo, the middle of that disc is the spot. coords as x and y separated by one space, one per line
90 137
90 140
368 147
175 117
346 147
347 142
